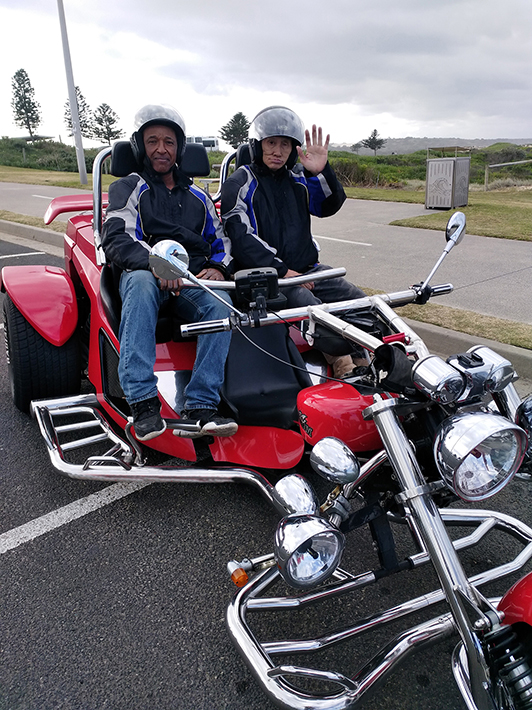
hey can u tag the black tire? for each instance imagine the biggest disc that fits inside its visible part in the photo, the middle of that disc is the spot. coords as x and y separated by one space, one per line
37 369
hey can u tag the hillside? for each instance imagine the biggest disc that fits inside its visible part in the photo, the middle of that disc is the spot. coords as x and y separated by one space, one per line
403 146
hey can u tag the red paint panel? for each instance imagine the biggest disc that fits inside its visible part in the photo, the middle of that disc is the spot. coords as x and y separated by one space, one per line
45 296
71 203
335 409
517 602
264 447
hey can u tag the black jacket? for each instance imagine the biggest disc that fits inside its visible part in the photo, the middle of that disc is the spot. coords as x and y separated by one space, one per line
266 215
143 211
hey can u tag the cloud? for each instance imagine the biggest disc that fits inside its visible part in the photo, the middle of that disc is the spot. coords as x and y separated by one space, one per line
456 67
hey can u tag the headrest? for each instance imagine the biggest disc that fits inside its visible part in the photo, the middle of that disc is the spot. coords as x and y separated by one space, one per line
122 159
195 161
243 156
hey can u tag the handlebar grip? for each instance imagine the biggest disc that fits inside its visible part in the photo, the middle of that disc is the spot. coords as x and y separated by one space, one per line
212 326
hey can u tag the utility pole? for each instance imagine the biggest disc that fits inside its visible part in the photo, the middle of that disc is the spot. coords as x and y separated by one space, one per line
72 97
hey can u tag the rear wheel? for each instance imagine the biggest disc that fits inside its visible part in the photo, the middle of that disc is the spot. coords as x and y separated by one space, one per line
38 369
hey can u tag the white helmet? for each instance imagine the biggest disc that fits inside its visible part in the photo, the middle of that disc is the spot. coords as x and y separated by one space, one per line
157 114
275 121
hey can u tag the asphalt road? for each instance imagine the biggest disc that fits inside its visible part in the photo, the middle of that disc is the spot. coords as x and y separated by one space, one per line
123 607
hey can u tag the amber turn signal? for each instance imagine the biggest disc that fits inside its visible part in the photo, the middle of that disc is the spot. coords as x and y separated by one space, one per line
239 577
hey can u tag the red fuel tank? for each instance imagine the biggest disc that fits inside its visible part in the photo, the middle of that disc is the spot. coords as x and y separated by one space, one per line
335 409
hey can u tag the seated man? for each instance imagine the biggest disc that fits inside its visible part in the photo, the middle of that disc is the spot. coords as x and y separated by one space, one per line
161 202
266 208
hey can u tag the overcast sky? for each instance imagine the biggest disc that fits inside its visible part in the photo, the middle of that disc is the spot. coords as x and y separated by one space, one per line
435 68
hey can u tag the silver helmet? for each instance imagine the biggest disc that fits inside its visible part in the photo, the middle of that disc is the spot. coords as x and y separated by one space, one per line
157 114
275 121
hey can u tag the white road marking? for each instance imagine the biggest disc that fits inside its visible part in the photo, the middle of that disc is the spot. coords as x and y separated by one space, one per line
29 253
44 197
344 241
62 516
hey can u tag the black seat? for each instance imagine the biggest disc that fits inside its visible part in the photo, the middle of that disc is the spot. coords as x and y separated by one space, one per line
195 163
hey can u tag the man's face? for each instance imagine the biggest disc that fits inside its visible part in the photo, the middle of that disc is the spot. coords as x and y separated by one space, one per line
160 143
276 151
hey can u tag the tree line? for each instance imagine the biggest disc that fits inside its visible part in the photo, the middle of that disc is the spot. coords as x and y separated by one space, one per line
100 124
235 132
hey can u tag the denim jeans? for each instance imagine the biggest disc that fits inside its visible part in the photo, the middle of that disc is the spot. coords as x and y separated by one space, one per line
141 300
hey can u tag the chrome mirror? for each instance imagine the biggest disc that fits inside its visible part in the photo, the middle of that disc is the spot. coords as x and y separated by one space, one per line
455 230
169 260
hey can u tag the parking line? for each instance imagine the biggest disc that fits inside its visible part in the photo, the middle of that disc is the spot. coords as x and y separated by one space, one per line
27 253
344 241
62 516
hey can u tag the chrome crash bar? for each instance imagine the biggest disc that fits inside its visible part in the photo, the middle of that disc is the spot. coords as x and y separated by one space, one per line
83 425
276 679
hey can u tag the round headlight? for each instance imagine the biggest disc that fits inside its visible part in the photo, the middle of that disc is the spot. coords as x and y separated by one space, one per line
308 549
478 453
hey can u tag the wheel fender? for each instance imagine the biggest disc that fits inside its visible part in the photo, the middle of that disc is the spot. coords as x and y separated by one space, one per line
517 602
46 297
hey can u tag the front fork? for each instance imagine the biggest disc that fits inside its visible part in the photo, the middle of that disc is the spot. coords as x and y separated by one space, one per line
472 613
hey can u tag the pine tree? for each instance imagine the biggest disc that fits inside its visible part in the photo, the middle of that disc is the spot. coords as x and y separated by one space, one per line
85 116
104 124
236 131
374 143
26 110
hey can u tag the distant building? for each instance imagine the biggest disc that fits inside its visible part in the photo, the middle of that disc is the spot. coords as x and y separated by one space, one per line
210 142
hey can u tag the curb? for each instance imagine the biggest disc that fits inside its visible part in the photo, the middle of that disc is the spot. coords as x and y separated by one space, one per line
26 231
445 342
439 340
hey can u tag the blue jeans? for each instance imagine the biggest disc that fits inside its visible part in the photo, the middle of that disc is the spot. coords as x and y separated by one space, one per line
141 300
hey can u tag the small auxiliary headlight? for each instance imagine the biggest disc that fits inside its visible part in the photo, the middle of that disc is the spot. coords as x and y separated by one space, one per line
501 370
308 549
437 379
478 453
296 495
334 461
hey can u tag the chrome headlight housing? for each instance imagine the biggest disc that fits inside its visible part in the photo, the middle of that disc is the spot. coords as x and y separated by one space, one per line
437 379
334 461
308 550
478 453
295 494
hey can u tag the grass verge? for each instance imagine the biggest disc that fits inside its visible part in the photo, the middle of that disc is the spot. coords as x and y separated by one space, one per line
31 221
475 324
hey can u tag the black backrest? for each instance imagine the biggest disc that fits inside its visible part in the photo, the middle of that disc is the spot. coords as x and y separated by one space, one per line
195 161
122 159
243 156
